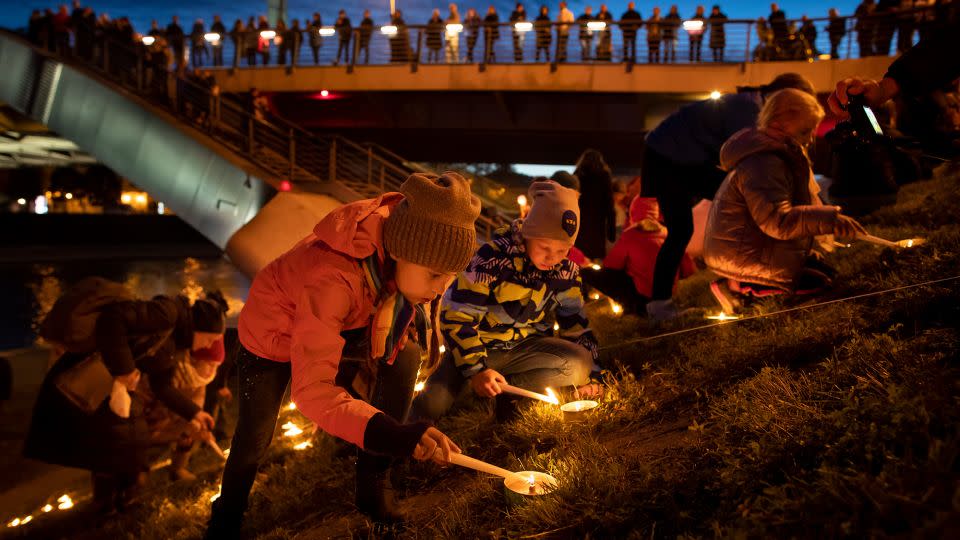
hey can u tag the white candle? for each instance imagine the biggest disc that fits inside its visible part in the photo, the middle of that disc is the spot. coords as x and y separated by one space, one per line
510 389
482 466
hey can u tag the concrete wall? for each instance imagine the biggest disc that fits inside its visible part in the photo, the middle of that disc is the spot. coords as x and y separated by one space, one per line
702 78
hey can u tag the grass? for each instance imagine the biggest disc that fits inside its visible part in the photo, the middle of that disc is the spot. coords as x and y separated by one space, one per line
832 421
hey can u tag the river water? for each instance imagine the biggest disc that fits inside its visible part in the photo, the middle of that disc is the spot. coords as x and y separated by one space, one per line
28 290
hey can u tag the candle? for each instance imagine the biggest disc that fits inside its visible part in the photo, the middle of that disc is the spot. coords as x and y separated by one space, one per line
291 430
482 466
65 501
723 317
209 440
911 242
616 308
879 241
510 389
529 483
303 446
576 411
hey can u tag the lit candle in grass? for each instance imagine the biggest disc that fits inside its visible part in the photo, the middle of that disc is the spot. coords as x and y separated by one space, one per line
47 508
217 494
302 446
65 502
616 308
577 410
510 389
419 386
292 406
292 430
529 483
522 203
723 317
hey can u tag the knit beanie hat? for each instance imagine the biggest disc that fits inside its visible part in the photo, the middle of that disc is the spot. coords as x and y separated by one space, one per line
208 313
554 213
433 225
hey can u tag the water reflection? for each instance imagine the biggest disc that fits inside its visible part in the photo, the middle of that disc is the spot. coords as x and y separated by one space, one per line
28 291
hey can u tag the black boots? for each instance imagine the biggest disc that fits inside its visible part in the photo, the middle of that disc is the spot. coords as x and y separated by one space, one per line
375 494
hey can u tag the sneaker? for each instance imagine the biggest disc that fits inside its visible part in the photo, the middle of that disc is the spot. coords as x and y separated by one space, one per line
728 300
662 310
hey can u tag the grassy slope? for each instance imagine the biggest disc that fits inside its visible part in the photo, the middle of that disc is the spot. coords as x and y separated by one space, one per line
839 420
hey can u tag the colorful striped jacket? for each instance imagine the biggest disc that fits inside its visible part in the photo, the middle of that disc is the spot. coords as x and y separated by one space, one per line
502 298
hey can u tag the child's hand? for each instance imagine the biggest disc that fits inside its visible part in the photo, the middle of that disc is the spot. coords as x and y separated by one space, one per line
847 227
436 446
487 383
130 380
225 393
202 421
589 390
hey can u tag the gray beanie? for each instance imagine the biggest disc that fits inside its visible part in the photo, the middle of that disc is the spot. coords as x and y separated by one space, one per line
433 225
554 213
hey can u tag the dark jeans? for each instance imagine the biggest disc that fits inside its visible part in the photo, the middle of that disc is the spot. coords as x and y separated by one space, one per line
616 284
585 45
835 47
343 49
535 363
717 53
562 39
630 48
263 384
696 45
678 188
218 56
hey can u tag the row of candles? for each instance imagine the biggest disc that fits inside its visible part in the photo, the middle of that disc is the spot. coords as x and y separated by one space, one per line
694 27
64 502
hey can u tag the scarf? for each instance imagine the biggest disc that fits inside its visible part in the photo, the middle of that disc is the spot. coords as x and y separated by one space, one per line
393 314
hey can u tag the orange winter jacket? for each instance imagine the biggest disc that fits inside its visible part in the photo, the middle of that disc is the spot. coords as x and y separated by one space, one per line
301 302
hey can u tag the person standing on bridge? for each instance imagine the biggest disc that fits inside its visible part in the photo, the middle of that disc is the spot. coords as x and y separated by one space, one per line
671 28
316 40
347 319
251 42
472 26
518 15
491 33
452 39
680 167
718 34
263 44
198 45
218 28
566 19
865 27
836 29
434 37
696 34
177 40
630 23
366 32
585 35
654 36
344 30
605 43
544 34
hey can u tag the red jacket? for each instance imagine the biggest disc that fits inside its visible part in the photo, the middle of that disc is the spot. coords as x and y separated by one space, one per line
301 302
636 250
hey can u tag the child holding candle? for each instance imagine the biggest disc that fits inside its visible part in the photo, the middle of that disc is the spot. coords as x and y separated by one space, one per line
344 317
494 319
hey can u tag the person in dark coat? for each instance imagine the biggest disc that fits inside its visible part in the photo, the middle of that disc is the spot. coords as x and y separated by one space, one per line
263 44
435 31
177 40
544 33
491 33
584 34
218 28
598 219
366 32
238 37
718 34
906 25
134 338
472 25
198 45
518 15
696 35
316 40
865 27
251 42
778 25
680 168
61 31
836 29
671 27
284 46
344 30
809 33
605 43
400 42
294 39
885 18
630 23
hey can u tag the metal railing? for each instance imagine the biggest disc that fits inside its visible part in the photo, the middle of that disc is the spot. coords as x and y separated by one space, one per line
276 145
582 42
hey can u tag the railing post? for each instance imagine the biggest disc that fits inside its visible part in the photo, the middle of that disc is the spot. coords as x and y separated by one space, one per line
293 154
333 159
356 51
746 54
850 38
416 55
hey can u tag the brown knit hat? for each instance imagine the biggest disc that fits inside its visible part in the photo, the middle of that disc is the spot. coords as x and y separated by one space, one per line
554 212
434 224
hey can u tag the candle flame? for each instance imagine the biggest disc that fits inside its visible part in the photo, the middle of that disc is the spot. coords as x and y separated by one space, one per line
723 317
556 327
47 508
14 523
303 446
911 242
595 266
65 501
616 308
217 494
292 430
26 520
522 200
595 296
443 349
420 386
553 396
292 406
226 452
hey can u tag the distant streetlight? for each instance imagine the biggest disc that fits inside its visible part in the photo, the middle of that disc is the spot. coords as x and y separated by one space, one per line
21 202
715 95
148 40
693 27
212 37
388 30
596 26
327 31
523 26
454 28
324 93
268 34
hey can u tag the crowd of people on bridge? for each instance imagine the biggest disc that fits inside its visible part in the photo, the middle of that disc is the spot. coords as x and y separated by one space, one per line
475 35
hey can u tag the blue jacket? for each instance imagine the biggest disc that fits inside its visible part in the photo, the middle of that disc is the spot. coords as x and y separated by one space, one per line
694 134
